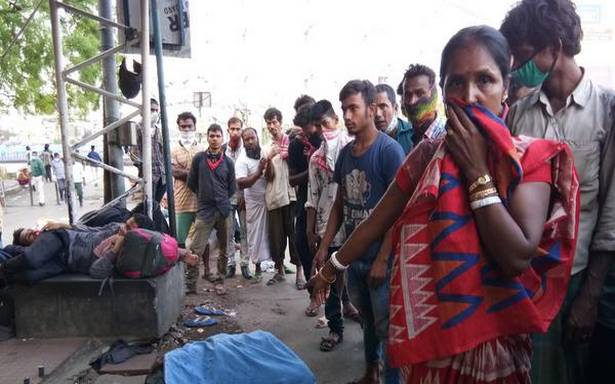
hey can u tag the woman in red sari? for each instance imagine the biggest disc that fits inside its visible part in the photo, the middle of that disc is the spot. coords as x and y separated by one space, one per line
485 227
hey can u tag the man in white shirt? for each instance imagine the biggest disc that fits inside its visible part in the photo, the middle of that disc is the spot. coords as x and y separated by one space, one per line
249 170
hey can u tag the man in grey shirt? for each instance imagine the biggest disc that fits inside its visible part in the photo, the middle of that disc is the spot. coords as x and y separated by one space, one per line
544 38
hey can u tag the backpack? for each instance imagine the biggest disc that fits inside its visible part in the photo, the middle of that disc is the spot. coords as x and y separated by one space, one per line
146 254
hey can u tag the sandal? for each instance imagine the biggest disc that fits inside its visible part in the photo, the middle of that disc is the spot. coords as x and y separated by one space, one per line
209 311
327 344
200 322
322 322
258 277
277 278
311 311
300 285
352 314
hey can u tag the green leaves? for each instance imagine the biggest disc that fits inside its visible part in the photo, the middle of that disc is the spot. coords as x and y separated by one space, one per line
27 79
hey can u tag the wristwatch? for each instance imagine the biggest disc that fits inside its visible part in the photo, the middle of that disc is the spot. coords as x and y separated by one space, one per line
482 180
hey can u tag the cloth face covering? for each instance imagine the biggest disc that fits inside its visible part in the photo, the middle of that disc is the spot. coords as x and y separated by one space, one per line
423 110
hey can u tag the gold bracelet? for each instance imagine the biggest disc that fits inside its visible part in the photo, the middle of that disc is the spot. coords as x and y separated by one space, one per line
322 276
482 194
481 180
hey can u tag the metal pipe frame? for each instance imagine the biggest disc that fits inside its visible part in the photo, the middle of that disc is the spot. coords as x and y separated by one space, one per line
62 78
95 59
106 129
81 12
101 92
164 116
146 136
62 103
107 167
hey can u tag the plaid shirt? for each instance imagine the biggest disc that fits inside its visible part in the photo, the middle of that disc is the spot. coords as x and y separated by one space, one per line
158 171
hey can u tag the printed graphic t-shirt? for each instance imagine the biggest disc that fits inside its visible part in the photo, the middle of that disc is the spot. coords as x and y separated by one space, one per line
364 179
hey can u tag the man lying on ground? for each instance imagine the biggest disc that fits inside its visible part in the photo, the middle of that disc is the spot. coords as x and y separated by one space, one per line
60 248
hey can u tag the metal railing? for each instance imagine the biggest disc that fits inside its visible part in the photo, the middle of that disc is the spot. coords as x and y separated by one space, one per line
65 75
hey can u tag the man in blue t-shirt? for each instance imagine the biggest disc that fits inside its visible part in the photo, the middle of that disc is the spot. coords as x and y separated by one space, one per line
363 171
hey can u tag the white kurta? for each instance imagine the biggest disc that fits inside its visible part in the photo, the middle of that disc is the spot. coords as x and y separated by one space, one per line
256 210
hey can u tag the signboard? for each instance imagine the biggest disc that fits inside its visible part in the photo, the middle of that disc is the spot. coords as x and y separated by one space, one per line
174 24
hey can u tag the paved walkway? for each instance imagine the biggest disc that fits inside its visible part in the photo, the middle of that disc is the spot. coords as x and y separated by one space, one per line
278 309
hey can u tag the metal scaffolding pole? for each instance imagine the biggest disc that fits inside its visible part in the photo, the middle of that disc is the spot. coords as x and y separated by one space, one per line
146 139
62 106
163 115
114 183
62 76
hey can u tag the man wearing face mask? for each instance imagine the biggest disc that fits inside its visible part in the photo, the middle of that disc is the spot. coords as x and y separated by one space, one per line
386 118
181 159
420 103
158 171
237 232
544 37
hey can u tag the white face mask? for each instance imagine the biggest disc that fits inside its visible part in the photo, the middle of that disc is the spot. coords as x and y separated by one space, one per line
155 117
187 137
392 126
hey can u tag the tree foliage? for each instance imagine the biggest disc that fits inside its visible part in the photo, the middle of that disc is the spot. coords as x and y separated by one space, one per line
27 80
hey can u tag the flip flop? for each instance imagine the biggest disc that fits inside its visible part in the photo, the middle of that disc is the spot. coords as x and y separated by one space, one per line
277 278
322 322
327 344
200 322
312 312
301 285
209 311
353 315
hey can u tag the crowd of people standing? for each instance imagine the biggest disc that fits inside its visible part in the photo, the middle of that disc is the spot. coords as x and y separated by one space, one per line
475 237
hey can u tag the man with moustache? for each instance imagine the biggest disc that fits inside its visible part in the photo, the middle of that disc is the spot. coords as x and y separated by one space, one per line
279 196
212 179
386 118
249 170
237 232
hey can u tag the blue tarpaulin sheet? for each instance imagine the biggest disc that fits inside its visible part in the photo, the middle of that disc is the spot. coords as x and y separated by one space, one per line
256 357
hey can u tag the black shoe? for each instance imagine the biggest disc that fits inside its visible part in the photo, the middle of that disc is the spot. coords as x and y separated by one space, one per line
231 272
245 272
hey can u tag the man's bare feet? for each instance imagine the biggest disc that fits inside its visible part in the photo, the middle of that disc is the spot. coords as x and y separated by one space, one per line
350 312
372 374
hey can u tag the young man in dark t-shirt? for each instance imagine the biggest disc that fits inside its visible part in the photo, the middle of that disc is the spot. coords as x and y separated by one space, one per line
363 171
299 151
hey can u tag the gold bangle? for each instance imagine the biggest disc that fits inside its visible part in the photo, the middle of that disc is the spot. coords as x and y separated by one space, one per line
481 180
322 276
485 193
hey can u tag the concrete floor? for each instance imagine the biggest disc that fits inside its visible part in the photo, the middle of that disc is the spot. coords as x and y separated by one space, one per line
279 310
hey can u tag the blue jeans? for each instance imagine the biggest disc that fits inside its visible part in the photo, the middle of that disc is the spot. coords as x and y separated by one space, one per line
333 306
373 304
301 242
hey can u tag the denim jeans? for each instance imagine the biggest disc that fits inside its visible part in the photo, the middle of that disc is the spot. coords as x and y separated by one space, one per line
333 305
301 242
373 304
238 235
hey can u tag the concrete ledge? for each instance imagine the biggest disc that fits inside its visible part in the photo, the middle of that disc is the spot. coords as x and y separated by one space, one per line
69 306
